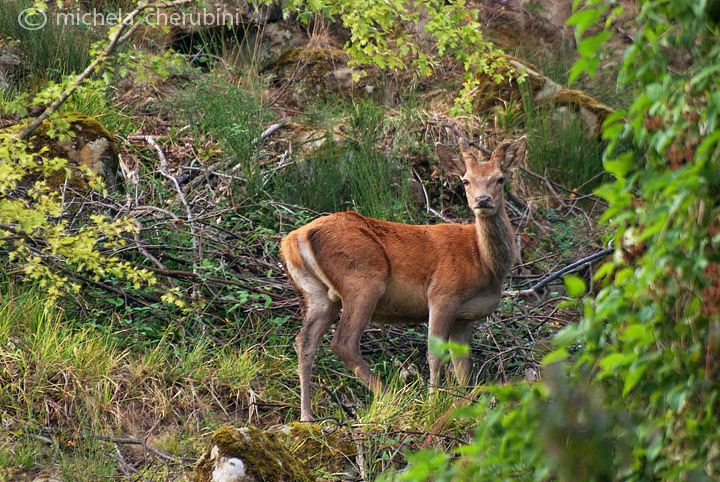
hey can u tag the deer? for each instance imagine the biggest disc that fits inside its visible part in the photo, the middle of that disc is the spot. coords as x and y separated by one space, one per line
369 270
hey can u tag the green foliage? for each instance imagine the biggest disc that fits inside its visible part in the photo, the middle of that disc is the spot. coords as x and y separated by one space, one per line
36 232
386 34
350 174
638 398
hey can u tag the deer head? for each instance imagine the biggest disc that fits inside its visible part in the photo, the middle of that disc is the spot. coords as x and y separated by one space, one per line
483 180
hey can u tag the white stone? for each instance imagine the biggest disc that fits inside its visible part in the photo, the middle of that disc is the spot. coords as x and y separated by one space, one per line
228 470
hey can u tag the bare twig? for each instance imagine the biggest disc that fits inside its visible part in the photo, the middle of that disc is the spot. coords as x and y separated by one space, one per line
422 186
144 444
164 171
553 276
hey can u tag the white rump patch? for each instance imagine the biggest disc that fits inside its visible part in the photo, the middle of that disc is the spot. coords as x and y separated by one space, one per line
312 280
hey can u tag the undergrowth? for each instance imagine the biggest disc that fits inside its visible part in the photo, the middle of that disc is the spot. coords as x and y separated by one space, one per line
211 203
349 172
561 148
46 54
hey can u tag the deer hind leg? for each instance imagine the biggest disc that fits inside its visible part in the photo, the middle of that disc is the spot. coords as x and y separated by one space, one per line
319 315
356 315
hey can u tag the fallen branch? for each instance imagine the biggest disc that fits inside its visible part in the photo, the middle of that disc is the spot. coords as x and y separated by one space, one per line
133 441
553 276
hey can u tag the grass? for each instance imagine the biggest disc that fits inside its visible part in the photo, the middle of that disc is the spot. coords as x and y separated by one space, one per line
349 174
48 53
235 117
560 147
64 388
93 99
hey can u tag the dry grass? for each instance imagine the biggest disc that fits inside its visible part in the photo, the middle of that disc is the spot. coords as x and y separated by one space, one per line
71 393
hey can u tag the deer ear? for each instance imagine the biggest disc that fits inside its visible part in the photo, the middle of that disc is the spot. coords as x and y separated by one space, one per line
449 160
507 156
467 153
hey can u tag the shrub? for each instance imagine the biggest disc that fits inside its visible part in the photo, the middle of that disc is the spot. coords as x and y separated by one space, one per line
638 396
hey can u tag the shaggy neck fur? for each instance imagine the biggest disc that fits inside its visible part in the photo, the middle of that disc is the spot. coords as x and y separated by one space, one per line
495 241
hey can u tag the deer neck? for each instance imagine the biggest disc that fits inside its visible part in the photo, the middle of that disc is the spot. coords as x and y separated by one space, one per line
495 240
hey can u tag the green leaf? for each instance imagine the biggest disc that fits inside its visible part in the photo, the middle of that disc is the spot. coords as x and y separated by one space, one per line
580 66
583 20
589 46
676 397
620 166
555 356
632 377
575 286
614 361
567 336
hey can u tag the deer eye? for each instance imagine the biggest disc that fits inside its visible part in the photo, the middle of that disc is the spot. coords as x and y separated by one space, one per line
501 180
465 182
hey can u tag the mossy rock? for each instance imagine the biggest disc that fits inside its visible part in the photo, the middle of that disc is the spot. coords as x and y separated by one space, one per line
329 452
490 93
321 59
90 145
281 453
313 71
247 455
541 90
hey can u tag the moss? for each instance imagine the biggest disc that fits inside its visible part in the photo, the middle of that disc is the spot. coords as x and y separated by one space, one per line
91 146
265 457
490 93
310 65
282 453
326 55
580 99
313 72
330 452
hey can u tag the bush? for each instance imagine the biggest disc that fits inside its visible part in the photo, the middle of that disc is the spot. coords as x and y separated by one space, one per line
638 397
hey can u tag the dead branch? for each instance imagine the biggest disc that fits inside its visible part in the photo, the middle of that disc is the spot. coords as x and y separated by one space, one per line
134 441
555 275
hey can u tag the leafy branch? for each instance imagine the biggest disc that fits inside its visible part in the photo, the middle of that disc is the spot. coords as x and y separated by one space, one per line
118 36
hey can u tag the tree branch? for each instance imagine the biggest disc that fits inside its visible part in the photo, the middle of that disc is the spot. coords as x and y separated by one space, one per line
117 39
553 276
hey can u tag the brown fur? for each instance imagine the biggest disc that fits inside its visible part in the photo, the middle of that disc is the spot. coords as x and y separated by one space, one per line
375 270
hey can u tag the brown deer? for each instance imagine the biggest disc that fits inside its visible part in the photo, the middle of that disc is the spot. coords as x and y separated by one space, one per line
449 275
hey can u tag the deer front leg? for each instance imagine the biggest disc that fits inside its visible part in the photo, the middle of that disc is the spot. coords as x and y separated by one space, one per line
461 333
442 317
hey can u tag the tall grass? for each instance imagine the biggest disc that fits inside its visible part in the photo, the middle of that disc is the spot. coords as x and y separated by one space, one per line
560 146
48 53
352 174
61 387
235 117
94 99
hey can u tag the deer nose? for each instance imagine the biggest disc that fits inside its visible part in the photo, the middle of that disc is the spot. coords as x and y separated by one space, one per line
483 201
